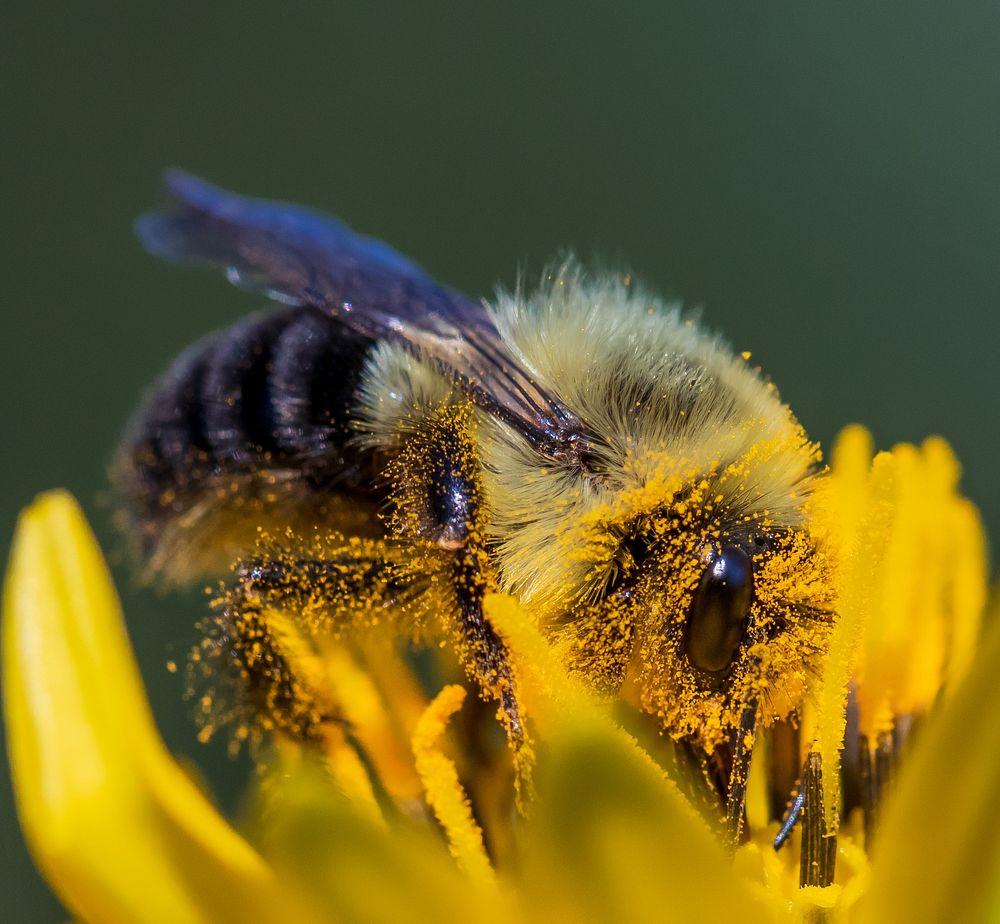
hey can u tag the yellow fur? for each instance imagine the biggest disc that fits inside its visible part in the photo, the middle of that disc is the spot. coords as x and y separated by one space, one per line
671 403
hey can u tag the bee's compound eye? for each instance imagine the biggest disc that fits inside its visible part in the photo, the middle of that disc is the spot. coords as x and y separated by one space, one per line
719 611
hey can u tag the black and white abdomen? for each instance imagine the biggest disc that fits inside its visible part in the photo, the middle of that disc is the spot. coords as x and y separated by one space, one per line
254 414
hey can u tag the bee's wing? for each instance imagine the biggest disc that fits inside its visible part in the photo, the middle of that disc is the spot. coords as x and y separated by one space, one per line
300 256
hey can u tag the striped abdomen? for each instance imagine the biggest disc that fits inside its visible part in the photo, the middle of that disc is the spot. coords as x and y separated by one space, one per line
252 416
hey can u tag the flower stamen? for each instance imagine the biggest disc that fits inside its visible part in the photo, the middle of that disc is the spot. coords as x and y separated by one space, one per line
445 795
819 848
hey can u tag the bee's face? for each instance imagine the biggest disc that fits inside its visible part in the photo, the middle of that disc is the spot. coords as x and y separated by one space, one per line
705 612
737 625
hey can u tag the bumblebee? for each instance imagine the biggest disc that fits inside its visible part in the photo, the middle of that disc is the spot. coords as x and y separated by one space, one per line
380 449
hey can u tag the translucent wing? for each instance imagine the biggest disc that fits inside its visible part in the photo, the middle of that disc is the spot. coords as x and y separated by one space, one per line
300 256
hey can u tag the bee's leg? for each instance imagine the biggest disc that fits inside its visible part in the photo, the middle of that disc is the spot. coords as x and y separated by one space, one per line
485 653
438 498
266 623
726 769
736 791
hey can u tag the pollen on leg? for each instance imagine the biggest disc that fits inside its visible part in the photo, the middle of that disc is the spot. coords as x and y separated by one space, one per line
260 673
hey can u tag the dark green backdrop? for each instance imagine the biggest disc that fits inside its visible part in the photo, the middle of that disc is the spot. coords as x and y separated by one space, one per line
823 178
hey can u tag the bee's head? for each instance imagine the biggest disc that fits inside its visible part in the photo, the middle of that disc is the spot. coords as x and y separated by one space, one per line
706 604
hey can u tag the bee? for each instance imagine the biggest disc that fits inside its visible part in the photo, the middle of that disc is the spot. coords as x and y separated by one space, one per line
405 450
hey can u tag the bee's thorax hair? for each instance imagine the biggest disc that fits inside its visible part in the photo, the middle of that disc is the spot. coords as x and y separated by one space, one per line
669 403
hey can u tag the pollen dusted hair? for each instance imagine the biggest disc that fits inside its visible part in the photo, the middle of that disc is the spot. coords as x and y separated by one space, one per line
667 399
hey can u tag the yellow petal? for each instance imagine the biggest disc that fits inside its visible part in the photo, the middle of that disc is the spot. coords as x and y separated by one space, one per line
937 855
845 503
610 836
360 871
119 829
610 840
361 703
444 791
911 586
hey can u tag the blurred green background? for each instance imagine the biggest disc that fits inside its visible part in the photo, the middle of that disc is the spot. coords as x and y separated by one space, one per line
823 179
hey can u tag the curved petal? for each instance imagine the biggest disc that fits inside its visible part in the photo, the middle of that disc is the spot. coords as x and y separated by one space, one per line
445 794
937 856
119 829
610 837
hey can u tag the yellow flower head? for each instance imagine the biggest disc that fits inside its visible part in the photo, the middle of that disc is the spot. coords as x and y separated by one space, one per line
402 808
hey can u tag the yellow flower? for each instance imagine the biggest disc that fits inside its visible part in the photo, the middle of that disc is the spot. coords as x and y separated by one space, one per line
117 827
378 824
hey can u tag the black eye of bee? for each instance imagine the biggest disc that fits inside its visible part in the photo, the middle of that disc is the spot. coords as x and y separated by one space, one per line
719 611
